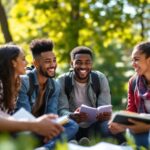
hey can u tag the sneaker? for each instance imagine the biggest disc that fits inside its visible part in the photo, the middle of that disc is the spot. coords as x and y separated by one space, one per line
84 141
73 141
41 148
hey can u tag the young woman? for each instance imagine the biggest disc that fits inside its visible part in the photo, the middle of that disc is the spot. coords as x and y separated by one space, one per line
12 65
138 94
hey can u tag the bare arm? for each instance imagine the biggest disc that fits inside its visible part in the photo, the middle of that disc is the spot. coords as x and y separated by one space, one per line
138 127
42 125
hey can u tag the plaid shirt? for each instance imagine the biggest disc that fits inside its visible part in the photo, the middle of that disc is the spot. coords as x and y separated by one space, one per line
138 95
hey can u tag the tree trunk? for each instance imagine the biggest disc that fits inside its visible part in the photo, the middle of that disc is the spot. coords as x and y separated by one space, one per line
4 24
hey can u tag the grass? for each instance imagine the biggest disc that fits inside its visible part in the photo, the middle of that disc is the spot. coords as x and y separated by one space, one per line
29 142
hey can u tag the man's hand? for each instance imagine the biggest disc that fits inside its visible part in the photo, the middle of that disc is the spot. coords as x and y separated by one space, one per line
79 117
138 127
103 116
45 126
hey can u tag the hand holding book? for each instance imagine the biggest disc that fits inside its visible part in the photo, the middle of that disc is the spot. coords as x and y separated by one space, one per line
123 117
137 123
96 113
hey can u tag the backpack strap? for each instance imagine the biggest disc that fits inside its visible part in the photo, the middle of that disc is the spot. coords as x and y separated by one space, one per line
31 85
95 83
68 84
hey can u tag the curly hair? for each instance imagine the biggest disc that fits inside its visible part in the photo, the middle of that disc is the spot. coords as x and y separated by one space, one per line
38 46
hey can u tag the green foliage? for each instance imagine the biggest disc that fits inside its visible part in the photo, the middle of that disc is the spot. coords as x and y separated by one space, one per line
29 142
21 142
110 27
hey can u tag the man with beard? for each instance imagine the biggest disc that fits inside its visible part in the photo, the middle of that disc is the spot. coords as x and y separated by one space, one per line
82 92
45 91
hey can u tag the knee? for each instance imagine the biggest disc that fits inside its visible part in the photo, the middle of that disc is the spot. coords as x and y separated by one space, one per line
73 125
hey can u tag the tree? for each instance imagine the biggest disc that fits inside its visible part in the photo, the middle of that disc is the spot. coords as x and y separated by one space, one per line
109 27
4 24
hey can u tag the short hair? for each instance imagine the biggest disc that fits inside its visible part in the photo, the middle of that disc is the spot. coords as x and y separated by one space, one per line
80 50
38 46
144 47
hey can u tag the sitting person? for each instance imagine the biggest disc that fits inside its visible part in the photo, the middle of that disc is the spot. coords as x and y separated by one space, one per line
138 95
43 98
12 64
80 86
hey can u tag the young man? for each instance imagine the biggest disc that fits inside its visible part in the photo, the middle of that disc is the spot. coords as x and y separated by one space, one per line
82 92
43 98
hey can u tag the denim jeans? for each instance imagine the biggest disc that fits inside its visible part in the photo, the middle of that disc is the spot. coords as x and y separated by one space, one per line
142 139
70 130
99 129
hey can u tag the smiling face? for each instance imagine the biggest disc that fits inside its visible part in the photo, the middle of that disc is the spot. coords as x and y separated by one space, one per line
140 62
82 65
46 64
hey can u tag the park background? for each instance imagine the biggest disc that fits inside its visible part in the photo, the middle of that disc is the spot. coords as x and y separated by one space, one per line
111 28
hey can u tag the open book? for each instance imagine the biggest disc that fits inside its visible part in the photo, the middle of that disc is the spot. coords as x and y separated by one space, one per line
23 114
123 116
93 112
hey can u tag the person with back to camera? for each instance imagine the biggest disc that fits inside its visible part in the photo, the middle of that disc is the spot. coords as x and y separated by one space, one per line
138 95
45 91
12 65
82 78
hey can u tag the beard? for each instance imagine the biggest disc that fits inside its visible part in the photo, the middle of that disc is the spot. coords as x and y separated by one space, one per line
45 73
80 77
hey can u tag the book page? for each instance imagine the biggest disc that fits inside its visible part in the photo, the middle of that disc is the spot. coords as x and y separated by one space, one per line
91 111
62 120
23 114
104 108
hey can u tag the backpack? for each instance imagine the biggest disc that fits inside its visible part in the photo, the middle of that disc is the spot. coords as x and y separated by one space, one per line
95 83
31 84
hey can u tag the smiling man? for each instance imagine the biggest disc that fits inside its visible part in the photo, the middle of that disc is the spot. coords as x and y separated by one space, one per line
39 92
84 86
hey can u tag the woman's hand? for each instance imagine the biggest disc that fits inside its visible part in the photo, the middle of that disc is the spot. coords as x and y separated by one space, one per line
138 127
116 128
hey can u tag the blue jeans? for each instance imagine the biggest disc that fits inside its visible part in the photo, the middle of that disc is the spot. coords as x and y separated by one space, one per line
99 129
141 139
69 133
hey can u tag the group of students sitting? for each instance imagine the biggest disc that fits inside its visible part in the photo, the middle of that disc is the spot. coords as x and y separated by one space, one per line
48 98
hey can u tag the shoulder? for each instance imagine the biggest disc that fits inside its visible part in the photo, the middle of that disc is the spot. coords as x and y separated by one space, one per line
62 77
53 84
132 78
24 77
99 74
